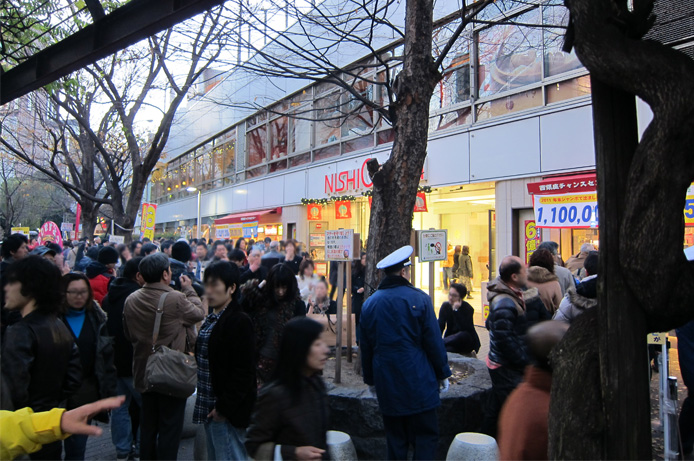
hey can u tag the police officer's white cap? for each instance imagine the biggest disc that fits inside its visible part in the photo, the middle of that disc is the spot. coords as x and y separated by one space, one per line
399 256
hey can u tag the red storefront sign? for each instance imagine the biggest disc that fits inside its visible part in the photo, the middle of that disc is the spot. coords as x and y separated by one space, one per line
420 205
343 209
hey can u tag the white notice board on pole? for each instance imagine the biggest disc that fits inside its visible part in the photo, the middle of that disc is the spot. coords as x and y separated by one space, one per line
339 245
433 245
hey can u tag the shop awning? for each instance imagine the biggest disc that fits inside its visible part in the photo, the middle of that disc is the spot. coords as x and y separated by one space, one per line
579 183
246 217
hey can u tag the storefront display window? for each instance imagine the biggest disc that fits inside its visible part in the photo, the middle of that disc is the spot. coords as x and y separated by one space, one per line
300 130
569 89
326 152
510 56
458 117
358 144
359 120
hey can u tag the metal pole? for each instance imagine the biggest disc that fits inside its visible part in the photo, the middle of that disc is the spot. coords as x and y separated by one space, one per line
338 339
349 311
672 446
197 234
432 280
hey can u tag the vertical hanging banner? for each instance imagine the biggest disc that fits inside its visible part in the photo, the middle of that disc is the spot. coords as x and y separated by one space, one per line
50 232
420 205
314 212
371 201
149 213
343 209
78 216
532 239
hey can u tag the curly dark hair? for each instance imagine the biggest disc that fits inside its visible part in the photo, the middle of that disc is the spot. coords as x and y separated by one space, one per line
542 258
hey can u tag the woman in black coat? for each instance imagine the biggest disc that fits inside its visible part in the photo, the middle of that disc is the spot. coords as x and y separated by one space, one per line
456 320
292 411
358 277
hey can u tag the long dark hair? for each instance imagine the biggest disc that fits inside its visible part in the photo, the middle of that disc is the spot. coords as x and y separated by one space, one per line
357 267
66 281
297 338
282 276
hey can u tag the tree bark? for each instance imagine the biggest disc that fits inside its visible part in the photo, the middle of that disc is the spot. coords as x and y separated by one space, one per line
395 182
641 189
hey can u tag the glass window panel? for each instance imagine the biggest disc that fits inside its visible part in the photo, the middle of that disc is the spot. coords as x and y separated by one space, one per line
458 117
360 119
300 130
301 159
326 152
329 118
510 56
256 141
510 104
454 87
278 166
358 144
386 136
255 172
278 137
556 61
574 88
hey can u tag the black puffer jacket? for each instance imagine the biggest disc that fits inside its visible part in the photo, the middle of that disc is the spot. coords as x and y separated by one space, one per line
507 325
281 419
40 362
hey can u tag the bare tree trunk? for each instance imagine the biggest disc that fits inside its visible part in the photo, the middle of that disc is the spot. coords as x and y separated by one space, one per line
90 213
395 182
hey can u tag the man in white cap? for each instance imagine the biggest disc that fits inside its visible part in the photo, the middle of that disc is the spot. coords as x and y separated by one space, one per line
404 358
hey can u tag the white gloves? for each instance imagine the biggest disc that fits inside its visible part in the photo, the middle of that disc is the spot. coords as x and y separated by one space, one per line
444 385
372 389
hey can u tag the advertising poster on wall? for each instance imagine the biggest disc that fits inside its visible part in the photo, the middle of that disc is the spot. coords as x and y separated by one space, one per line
433 245
314 212
343 209
566 210
21 230
420 205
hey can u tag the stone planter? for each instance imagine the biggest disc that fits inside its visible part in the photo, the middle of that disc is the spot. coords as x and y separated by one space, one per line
355 411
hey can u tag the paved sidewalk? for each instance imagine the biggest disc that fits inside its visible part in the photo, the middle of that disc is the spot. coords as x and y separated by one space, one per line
101 448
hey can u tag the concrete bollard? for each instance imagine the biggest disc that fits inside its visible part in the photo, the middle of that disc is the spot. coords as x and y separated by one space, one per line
471 445
340 446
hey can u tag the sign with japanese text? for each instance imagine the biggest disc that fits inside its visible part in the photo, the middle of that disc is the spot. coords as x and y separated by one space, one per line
565 185
66 226
149 213
21 230
339 245
315 212
566 210
657 338
116 239
432 245
532 239
250 229
420 205
343 209
50 232
689 207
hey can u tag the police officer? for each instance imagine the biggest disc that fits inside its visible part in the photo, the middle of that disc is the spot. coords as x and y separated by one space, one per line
403 359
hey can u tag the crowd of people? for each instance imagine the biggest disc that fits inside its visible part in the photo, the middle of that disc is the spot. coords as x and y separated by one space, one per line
93 321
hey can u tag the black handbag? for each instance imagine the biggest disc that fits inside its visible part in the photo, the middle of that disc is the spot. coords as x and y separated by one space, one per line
169 372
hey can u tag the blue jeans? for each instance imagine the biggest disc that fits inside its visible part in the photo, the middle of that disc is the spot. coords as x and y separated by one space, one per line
121 427
225 442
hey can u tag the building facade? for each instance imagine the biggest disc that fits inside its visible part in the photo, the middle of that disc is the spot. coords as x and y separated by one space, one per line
512 111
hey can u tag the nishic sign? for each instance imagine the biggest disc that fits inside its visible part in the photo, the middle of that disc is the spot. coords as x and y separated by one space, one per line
350 180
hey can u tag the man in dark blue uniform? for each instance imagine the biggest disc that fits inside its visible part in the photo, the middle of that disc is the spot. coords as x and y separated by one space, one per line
403 356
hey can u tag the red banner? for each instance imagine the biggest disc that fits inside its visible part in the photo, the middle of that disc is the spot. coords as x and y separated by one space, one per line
420 205
343 209
78 216
314 212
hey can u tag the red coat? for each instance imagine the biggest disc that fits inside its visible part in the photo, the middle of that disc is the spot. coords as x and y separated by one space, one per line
100 287
523 422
